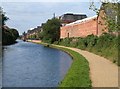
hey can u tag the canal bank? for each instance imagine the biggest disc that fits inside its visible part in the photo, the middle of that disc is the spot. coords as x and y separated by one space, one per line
78 74
103 73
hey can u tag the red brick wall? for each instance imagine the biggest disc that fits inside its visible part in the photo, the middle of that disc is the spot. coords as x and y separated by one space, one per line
80 29
94 26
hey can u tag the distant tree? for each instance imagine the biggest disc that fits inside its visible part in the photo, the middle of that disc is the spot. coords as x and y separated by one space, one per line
23 33
3 18
14 33
8 35
51 30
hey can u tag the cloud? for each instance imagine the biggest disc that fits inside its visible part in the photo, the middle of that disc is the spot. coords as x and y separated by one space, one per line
25 15
50 0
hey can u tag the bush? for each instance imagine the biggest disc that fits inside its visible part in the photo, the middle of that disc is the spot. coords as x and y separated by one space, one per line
105 40
81 43
9 36
91 40
65 42
105 45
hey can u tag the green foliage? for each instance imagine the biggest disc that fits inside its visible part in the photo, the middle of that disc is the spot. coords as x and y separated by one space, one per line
9 36
3 18
15 33
81 43
105 45
32 37
51 31
112 14
65 42
118 40
105 40
91 40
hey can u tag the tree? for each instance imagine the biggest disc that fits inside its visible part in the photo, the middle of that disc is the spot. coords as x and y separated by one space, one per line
8 35
14 33
112 13
51 30
112 20
3 18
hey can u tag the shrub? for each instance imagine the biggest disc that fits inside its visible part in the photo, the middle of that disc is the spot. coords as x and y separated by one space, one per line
105 45
9 36
81 43
105 40
65 42
91 40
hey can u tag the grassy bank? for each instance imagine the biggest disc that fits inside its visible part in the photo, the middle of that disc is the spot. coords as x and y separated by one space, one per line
105 45
78 74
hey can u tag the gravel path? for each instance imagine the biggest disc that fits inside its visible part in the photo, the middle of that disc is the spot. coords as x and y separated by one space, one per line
103 73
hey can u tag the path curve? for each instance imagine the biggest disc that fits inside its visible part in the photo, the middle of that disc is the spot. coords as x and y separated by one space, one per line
103 73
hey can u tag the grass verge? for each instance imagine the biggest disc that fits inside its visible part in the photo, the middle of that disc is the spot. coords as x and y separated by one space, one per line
78 74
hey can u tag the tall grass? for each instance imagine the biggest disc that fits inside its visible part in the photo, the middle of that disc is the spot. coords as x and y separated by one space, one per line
106 45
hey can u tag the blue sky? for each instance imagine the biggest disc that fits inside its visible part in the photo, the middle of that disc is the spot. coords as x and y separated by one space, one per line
26 15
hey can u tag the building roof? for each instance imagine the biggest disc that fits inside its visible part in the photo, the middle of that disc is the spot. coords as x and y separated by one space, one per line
81 21
76 13
70 17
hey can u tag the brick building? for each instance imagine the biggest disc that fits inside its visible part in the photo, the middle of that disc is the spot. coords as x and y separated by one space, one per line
82 28
34 32
95 25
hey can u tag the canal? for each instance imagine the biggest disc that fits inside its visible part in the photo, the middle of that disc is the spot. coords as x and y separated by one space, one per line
32 65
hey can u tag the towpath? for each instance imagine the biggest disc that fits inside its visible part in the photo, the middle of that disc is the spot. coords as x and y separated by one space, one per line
103 72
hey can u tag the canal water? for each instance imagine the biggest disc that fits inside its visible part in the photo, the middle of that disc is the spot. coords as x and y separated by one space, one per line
32 65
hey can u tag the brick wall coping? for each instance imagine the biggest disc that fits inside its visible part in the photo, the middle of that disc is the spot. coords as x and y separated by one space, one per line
83 20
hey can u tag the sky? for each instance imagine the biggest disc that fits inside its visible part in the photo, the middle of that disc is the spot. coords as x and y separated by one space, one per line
26 15
51 0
